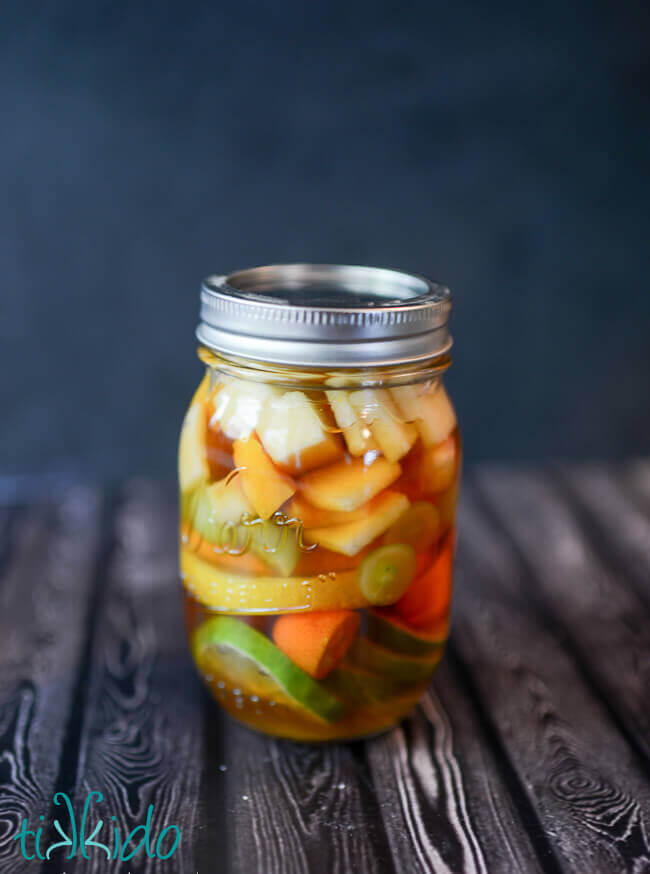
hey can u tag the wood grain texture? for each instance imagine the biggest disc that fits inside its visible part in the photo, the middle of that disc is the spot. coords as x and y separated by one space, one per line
301 808
443 801
526 755
45 591
617 524
636 477
141 736
603 617
581 777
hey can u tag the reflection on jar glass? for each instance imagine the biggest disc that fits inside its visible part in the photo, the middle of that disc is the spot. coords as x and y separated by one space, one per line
319 464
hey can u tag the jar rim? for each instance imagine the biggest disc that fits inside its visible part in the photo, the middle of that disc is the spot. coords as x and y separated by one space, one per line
325 315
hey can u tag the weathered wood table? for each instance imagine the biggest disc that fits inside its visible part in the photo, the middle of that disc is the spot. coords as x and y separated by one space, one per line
529 753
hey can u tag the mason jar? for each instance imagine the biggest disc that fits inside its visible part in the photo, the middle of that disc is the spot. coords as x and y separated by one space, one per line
319 464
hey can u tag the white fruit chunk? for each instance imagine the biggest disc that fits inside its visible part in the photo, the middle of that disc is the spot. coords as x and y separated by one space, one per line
238 406
294 435
377 409
431 410
192 457
356 432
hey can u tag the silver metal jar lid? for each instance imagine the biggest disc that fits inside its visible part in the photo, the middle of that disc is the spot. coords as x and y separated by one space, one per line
325 315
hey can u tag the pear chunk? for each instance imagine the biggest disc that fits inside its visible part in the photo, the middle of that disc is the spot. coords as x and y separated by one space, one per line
356 432
377 410
238 405
295 435
348 484
429 408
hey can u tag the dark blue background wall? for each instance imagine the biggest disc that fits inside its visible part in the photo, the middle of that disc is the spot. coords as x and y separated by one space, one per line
499 147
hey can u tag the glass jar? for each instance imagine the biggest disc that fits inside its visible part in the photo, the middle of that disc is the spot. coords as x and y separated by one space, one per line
319 463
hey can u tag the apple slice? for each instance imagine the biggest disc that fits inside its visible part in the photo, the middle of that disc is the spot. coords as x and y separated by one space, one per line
377 410
238 405
294 434
264 486
351 537
357 434
192 456
429 407
348 484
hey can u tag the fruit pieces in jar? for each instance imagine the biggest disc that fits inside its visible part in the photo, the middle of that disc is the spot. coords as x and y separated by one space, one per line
356 433
347 485
248 664
376 408
427 599
385 574
222 590
431 471
347 505
417 526
220 514
238 405
193 467
295 435
429 408
350 538
404 669
316 641
388 628
264 486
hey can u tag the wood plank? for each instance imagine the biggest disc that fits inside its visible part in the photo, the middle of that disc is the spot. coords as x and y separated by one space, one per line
141 737
603 619
45 592
637 476
620 527
441 793
580 776
301 808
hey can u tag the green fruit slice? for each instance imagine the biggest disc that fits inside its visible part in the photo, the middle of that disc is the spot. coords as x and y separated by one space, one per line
360 687
247 661
215 513
392 632
404 669
417 526
386 573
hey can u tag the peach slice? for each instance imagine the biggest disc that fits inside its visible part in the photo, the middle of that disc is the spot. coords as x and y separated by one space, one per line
377 410
348 484
295 435
357 434
264 486
313 517
192 456
430 409
351 537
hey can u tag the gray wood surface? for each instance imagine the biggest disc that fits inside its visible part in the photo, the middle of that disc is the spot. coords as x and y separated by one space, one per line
529 753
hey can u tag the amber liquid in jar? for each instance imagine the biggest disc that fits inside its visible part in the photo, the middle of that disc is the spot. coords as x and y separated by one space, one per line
316 547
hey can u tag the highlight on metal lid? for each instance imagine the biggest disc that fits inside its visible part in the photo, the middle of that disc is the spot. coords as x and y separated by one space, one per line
325 315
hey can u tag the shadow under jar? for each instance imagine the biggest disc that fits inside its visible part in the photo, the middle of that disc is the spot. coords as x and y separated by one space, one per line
319 463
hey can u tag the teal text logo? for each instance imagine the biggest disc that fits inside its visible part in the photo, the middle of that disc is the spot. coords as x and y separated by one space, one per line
79 839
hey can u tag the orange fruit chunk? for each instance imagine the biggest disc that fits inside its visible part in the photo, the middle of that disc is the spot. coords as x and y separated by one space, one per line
316 642
264 486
